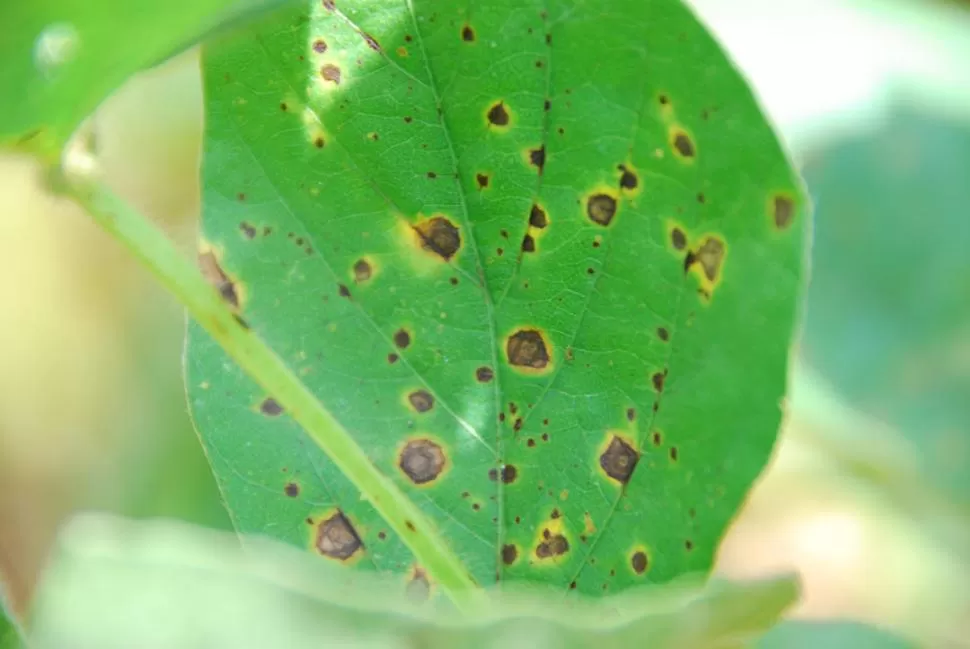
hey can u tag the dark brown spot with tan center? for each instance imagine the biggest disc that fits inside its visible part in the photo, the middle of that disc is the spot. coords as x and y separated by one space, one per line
484 374
468 34
628 179
619 459
678 239
538 218
319 46
553 545
527 348
422 461
528 243
601 208
331 73
214 274
402 338
337 538
362 271
639 562
291 489
482 180
418 588
270 407
498 115
439 236
421 400
710 256
684 145
538 157
783 211
509 554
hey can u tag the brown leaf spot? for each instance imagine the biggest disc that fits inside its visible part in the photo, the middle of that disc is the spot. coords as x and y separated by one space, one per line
628 179
639 562
319 46
392 358
601 208
631 414
658 380
509 474
371 42
484 374
421 400
537 157
291 489
509 554
683 144
527 348
402 338
528 243
270 407
482 180
330 72
783 211
619 459
343 290
440 236
553 545
663 334
214 274
337 539
710 255
537 217
422 461
678 239
248 230
498 115
467 34
362 271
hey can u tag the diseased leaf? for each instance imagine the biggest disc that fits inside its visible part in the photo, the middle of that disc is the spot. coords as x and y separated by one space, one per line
62 57
540 258
122 584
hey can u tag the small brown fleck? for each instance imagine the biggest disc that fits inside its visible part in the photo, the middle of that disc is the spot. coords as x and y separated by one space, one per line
362 271
538 157
639 562
283 106
688 545
628 179
318 142
291 489
484 374
422 461
270 407
701 198
509 554
410 526
371 42
678 239
663 334
331 73
319 46
601 208
482 180
248 230
343 290
453 281
467 34
674 454
382 535
509 474
528 243
619 459
432 175
554 545
547 105
421 400
439 236
329 5
537 217
392 358
631 414
684 145
402 338
530 443
657 438
498 115
664 100
555 514
214 274
517 426
337 539
783 212
658 380
527 348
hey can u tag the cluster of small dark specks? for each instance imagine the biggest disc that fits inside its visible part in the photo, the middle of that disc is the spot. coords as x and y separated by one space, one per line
337 538
552 545
508 474
248 230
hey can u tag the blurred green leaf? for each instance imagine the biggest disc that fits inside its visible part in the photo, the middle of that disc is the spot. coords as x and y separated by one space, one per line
511 285
803 634
888 320
10 637
62 57
157 585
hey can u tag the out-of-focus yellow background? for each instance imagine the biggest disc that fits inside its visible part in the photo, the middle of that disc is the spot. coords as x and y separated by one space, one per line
92 412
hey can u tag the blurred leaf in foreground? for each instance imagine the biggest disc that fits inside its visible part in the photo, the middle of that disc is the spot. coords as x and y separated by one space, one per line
804 634
888 319
9 630
154 585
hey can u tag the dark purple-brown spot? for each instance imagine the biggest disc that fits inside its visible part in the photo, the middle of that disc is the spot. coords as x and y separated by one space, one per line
619 459
421 400
337 538
422 461
628 179
343 290
537 157
509 554
537 217
467 34
482 180
527 348
528 243
440 236
319 46
270 407
684 145
484 374
553 545
362 271
248 230
291 489
402 338
783 211
663 334
331 73
214 274
678 239
639 562
498 115
601 208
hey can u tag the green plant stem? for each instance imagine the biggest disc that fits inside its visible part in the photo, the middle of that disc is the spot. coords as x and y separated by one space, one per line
157 253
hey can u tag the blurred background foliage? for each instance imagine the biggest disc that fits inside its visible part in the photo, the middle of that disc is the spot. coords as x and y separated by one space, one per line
869 494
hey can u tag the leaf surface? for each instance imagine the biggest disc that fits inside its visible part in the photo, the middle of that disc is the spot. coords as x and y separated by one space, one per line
540 258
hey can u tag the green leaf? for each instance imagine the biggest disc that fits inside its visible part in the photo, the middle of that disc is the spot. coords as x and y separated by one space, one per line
10 635
887 318
519 250
830 635
62 57
121 584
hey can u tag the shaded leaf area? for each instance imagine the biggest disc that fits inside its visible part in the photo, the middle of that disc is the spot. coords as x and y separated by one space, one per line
10 637
62 57
887 320
548 285
111 582
799 634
